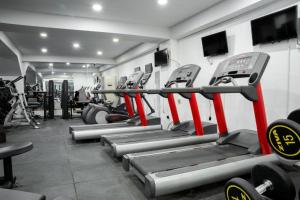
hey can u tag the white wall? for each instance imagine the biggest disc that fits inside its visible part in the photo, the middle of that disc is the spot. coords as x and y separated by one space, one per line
279 82
128 68
82 79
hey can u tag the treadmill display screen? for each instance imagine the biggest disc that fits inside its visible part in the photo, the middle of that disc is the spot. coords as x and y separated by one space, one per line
239 64
134 79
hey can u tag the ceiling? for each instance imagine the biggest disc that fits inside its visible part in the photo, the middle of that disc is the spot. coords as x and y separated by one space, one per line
59 42
131 11
142 15
9 62
61 68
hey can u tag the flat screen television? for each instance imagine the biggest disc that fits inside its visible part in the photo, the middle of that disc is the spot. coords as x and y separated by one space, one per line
137 69
161 58
215 44
275 27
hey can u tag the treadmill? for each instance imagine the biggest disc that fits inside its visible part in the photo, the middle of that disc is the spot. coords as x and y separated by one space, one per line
235 153
181 134
140 122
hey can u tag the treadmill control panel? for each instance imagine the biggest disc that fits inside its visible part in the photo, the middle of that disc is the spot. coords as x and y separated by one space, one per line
121 83
134 80
185 74
147 75
251 65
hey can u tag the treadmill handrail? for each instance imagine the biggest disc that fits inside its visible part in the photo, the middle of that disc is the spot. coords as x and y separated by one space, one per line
248 92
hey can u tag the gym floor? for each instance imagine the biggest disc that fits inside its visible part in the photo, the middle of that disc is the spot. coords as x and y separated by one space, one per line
83 171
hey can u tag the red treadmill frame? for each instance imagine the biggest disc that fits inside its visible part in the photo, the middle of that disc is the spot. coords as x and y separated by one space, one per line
261 121
195 112
128 105
173 109
196 115
260 118
141 110
220 115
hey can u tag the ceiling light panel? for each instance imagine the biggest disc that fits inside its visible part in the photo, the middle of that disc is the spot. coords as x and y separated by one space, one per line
44 50
97 7
162 2
43 35
76 45
116 40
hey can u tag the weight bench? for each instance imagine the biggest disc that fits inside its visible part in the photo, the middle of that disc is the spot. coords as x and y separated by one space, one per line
7 151
20 195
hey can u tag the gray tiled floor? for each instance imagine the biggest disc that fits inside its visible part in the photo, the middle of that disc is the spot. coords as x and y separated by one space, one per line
83 171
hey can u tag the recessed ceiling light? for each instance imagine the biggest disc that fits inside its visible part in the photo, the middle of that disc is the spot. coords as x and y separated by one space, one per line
68 64
116 40
76 45
162 2
44 50
52 72
43 35
64 73
99 53
83 66
50 64
97 7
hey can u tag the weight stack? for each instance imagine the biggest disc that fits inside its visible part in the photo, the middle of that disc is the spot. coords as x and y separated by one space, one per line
65 100
51 99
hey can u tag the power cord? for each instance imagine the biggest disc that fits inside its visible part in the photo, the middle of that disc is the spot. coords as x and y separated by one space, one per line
288 78
210 118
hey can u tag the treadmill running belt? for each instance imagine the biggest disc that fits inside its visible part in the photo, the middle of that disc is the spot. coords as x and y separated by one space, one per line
161 135
174 160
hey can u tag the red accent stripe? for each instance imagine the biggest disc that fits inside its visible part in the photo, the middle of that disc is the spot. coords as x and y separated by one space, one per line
261 121
140 109
220 115
196 115
173 109
128 105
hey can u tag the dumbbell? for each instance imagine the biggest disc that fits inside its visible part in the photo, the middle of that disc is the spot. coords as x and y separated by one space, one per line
269 182
284 138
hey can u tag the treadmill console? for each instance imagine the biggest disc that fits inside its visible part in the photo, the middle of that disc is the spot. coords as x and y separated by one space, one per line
134 80
121 83
251 65
185 74
147 75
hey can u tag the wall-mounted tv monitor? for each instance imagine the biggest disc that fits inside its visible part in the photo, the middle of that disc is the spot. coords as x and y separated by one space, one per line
215 44
276 27
161 58
137 69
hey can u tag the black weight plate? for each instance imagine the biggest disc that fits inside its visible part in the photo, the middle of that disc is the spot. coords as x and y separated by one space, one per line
238 188
282 185
284 138
295 116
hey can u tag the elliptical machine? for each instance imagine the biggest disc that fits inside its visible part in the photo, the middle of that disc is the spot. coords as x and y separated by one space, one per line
97 114
18 114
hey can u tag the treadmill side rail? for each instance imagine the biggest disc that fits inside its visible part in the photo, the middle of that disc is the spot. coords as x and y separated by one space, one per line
122 149
97 134
93 126
158 185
